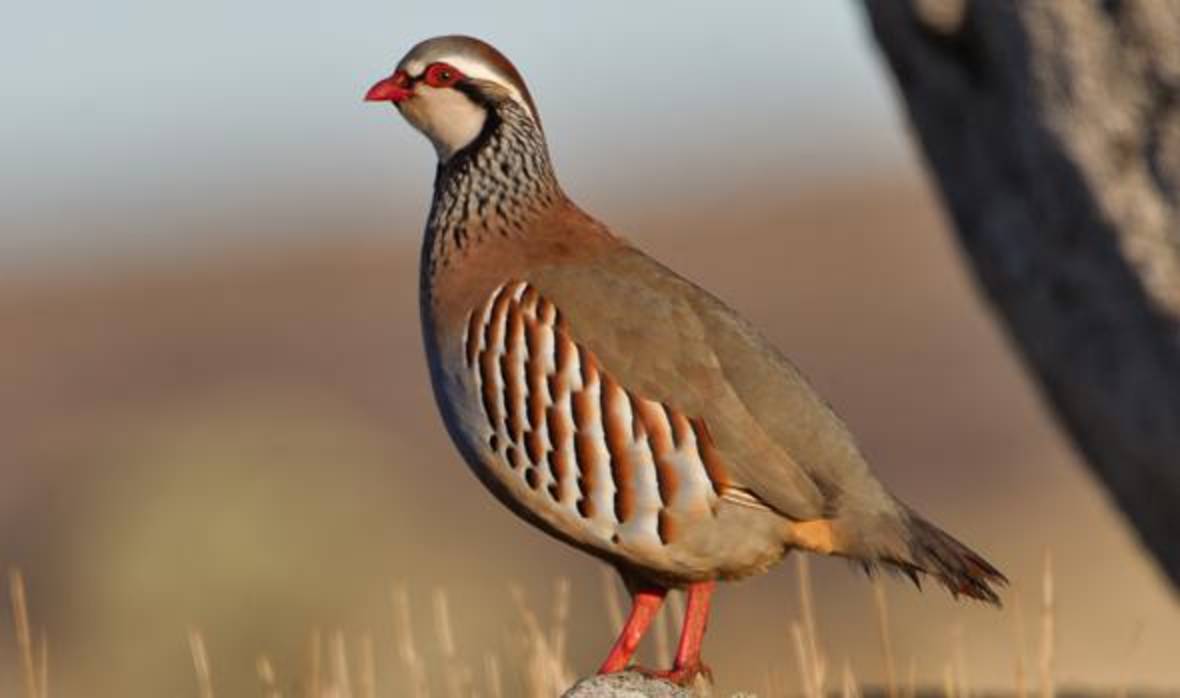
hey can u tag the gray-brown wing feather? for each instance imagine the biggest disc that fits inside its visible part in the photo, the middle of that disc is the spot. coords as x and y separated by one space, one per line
669 339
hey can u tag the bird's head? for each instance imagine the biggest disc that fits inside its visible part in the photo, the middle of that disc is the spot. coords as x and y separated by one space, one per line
449 87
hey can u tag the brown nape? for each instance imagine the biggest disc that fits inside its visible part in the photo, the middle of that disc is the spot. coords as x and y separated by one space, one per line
500 63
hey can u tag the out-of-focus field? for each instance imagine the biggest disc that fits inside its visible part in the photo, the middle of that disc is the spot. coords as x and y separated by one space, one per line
246 444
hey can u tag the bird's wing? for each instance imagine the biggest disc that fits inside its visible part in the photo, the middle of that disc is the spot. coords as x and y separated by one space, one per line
668 340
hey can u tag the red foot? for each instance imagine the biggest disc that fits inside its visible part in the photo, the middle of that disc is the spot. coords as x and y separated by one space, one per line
681 676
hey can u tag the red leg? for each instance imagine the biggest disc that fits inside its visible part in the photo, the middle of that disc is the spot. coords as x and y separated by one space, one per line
696 618
688 654
645 603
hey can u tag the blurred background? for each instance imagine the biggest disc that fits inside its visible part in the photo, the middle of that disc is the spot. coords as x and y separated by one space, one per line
214 410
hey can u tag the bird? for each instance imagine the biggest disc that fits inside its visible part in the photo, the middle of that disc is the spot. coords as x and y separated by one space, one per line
613 403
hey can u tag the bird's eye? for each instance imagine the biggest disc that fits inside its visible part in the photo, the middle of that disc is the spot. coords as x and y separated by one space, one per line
442 75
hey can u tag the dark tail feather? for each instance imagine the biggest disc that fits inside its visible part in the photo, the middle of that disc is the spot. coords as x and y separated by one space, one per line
935 552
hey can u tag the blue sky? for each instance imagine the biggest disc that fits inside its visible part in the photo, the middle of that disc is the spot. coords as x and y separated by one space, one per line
128 121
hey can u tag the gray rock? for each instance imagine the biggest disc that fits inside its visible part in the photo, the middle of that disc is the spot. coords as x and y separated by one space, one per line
630 684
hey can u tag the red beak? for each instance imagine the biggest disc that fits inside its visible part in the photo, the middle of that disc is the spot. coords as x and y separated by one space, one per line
395 88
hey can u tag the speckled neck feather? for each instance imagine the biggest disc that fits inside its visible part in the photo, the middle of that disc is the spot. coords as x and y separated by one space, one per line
495 186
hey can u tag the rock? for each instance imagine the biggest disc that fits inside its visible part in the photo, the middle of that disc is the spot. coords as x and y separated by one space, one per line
630 684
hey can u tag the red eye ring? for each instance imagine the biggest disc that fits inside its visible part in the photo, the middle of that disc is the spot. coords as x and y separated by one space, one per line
441 75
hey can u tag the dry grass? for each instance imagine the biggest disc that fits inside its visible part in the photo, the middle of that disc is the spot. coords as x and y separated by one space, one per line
196 644
1048 630
24 637
541 654
883 628
407 648
546 669
349 667
811 660
266 675
1018 632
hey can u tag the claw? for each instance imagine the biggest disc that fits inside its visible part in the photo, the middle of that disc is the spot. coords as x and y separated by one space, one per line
681 676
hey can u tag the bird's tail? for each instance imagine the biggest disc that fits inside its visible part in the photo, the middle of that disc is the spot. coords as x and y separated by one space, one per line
931 550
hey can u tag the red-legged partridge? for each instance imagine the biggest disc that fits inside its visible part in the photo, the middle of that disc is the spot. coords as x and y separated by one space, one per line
607 400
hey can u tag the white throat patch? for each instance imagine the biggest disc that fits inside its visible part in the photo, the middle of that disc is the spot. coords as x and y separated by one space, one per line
446 116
